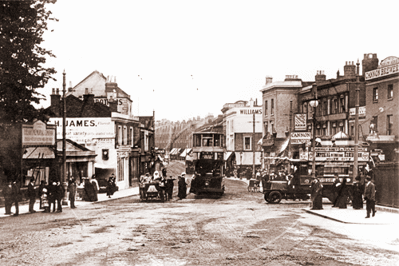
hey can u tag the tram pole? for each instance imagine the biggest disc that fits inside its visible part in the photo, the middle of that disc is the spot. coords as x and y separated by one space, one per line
356 155
253 145
314 104
63 180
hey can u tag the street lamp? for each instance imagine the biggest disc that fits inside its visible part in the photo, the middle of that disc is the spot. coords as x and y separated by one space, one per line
314 104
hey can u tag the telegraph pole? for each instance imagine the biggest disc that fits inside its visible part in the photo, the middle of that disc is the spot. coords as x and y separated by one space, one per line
63 180
253 145
355 163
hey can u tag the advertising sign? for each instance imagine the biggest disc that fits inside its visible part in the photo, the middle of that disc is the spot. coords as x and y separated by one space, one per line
389 65
38 134
85 129
300 122
251 111
362 112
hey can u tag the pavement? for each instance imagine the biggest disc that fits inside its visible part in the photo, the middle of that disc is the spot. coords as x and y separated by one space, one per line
383 216
24 208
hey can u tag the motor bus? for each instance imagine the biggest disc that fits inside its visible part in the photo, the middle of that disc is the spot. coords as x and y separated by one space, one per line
208 163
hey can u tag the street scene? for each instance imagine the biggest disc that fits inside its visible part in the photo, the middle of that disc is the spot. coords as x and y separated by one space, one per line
197 133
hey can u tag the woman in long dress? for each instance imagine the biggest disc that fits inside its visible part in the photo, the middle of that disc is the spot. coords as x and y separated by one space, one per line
182 188
343 195
357 201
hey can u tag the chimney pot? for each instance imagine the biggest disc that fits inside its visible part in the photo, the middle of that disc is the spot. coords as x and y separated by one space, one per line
57 91
86 90
53 91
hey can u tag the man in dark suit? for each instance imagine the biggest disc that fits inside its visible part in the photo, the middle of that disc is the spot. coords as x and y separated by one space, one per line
59 194
7 193
369 196
16 196
31 195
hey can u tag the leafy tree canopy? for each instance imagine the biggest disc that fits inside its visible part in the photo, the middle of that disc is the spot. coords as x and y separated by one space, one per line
22 24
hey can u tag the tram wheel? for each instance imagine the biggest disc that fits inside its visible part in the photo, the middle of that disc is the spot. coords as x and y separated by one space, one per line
267 197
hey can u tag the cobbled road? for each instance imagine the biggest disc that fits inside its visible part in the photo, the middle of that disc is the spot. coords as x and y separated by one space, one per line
239 228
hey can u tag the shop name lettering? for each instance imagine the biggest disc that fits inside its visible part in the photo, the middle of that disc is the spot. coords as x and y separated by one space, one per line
35 132
250 111
105 101
77 123
382 72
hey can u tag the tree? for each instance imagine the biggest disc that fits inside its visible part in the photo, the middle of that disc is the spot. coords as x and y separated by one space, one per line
22 24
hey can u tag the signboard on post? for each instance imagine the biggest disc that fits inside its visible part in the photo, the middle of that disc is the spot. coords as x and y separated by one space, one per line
38 134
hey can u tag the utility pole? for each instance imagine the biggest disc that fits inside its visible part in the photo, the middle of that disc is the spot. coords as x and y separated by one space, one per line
355 163
63 180
289 143
253 145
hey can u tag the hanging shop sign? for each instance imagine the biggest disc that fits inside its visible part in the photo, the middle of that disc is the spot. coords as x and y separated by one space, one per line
38 134
300 122
84 130
300 137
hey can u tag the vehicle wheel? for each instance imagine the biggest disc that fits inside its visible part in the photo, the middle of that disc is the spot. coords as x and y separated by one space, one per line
275 197
249 189
267 197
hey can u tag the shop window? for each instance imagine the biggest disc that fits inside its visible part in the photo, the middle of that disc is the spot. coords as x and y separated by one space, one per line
121 169
247 143
375 95
389 124
390 91
272 107
105 154
342 104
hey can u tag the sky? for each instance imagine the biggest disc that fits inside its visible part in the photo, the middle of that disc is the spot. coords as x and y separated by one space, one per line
185 59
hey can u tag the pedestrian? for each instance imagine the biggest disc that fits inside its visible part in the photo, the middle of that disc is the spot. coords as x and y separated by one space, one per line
169 187
335 188
182 193
343 194
72 188
41 187
369 196
31 195
316 195
51 195
110 186
44 200
357 200
164 172
16 196
90 191
94 182
8 199
59 195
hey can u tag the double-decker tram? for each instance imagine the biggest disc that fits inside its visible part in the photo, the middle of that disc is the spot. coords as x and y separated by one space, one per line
208 163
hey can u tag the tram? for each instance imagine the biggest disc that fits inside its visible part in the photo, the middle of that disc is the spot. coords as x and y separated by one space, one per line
208 163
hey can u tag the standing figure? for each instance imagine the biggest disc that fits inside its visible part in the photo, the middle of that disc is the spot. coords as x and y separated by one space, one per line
343 195
357 201
89 190
72 192
52 191
110 186
8 199
335 188
59 194
31 195
182 193
143 179
16 196
41 187
316 195
369 196
164 172
169 187
44 200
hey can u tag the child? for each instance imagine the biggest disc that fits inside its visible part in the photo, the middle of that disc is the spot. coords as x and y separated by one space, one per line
44 199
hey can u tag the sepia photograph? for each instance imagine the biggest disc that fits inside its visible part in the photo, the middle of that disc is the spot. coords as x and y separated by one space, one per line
179 133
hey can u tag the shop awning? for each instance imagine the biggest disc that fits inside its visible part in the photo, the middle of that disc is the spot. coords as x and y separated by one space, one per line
104 166
185 152
38 153
340 135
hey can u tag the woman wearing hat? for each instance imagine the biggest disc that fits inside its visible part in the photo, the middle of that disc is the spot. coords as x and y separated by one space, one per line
182 193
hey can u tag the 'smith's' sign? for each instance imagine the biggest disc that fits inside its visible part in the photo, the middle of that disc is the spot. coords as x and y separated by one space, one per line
389 65
85 129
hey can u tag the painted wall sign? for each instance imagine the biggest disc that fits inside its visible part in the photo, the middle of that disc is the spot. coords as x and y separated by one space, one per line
389 65
84 130
250 111
300 122
38 134
362 111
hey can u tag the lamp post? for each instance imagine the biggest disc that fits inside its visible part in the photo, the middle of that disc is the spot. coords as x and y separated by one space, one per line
314 104
355 159
64 180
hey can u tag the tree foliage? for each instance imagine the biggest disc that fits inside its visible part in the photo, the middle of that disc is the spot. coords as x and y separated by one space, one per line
22 24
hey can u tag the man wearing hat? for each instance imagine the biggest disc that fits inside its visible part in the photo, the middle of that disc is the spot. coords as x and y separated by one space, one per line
369 196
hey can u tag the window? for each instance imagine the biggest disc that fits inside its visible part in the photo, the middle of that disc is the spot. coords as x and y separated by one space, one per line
247 143
131 137
374 125
334 106
265 108
375 95
124 136
266 127
272 107
325 107
305 108
119 135
342 104
390 91
121 168
389 124
105 154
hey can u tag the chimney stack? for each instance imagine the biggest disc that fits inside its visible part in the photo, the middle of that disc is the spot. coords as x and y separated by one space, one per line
350 70
70 87
320 76
268 80
55 99
88 98
369 62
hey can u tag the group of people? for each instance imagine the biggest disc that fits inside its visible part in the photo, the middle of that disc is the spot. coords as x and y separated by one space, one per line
163 184
358 193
